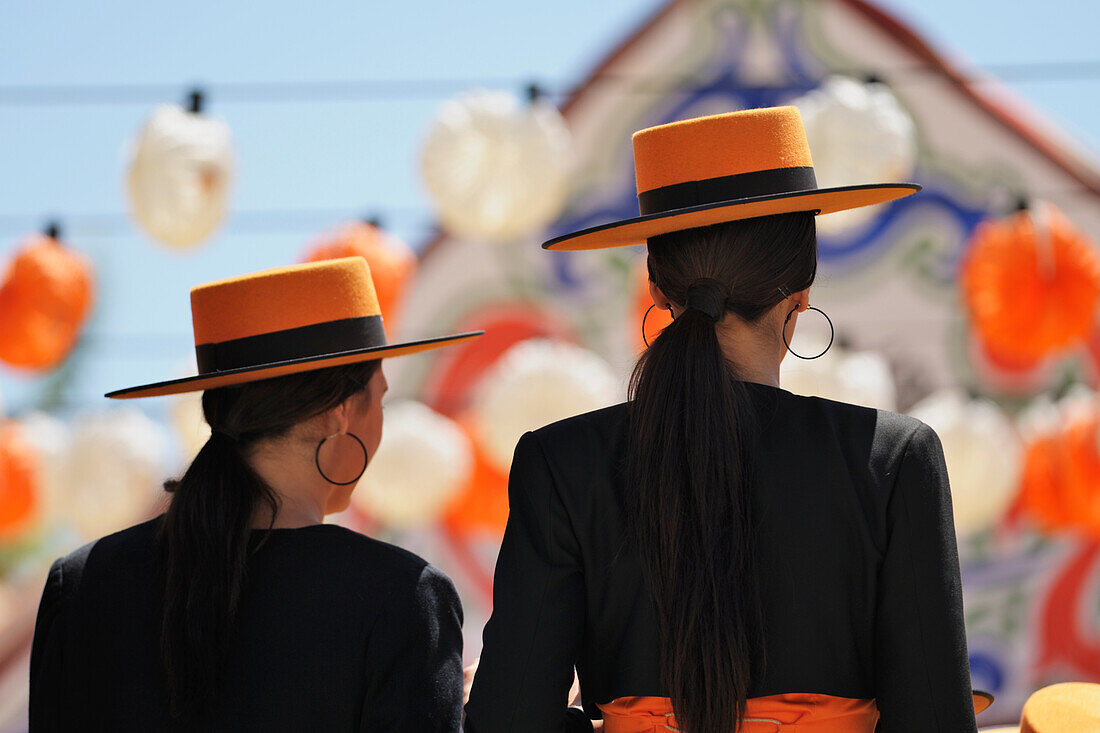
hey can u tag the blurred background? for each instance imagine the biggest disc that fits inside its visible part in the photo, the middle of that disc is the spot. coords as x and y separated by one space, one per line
147 148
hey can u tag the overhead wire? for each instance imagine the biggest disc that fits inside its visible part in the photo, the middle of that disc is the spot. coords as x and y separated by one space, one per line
267 221
411 88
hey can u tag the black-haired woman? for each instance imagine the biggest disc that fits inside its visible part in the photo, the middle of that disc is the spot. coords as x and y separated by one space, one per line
238 609
719 554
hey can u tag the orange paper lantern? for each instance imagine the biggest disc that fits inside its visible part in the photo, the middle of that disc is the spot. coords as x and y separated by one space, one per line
482 506
391 261
1061 479
658 318
45 297
1031 284
18 481
1042 482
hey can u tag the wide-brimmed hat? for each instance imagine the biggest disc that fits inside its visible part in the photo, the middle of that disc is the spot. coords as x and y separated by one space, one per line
1067 707
285 321
721 168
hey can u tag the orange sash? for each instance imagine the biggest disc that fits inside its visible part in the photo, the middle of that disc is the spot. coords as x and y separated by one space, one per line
797 712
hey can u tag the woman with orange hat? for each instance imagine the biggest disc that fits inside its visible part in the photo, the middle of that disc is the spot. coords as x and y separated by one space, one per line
718 554
238 609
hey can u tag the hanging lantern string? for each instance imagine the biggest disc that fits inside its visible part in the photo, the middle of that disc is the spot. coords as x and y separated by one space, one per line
1040 219
1037 212
195 101
430 88
414 219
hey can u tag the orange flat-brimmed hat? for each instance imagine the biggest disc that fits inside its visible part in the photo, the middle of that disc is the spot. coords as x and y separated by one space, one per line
1067 707
284 321
723 168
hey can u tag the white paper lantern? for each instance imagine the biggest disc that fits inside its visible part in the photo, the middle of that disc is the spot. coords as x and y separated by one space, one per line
534 383
496 167
866 379
861 377
189 423
52 442
858 133
811 377
179 177
423 461
114 471
983 454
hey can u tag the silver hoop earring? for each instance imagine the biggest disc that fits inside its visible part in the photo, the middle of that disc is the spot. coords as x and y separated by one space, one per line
317 459
832 333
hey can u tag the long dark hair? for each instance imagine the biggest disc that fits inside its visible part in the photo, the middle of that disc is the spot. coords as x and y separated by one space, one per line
689 466
204 538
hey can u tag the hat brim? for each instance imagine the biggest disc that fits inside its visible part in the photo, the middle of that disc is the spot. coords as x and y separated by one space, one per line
640 228
255 373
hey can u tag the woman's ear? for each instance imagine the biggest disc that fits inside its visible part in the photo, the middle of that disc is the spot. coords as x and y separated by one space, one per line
802 298
337 419
659 298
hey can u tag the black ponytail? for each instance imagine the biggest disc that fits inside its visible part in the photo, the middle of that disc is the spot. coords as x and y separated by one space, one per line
205 537
690 465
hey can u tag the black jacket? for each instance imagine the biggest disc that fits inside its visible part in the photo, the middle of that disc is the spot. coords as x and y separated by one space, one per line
337 632
856 554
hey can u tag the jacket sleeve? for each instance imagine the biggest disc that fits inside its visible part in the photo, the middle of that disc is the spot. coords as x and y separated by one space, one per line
415 649
534 636
922 672
47 683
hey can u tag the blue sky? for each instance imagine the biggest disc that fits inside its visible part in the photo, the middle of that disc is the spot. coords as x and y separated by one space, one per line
347 157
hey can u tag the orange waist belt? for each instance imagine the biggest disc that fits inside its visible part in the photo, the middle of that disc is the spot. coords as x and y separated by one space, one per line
798 712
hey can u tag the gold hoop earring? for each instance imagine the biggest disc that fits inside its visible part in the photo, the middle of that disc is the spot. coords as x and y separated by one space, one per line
317 459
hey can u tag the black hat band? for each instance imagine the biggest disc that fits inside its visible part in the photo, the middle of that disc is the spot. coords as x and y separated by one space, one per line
727 188
317 339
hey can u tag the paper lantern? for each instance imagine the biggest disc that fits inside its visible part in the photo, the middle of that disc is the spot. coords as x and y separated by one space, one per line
392 262
51 440
422 463
534 383
45 297
1060 489
1030 284
180 171
496 168
983 454
114 471
657 319
18 481
189 423
481 507
861 377
858 133
865 378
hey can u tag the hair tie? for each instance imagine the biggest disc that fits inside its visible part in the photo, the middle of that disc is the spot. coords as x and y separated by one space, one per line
232 435
708 296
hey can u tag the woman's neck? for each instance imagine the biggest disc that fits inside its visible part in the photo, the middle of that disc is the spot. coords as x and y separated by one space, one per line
291 475
753 350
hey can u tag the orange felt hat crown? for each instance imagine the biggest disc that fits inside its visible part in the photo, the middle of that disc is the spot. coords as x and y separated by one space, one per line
1066 707
284 321
720 168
